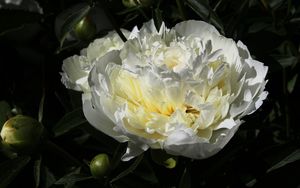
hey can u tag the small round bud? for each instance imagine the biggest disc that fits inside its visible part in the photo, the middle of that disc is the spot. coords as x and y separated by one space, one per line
170 163
85 29
100 165
21 134
162 158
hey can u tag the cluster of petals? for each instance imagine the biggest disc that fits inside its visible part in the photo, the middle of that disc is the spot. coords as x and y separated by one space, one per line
183 90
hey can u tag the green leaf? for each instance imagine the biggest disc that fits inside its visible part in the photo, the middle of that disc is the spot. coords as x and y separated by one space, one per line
71 21
275 4
128 10
146 172
292 83
286 61
48 179
130 17
118 153
181 10
157 18
289 159
199 7
5 111
37 171
129 170
71 178
258 26
15 19
41 107
185 180
69 121
202 9
11 168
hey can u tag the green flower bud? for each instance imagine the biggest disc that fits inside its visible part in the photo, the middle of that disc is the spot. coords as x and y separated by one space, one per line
100 165
21 134
170 163
85 29
133 3
162 158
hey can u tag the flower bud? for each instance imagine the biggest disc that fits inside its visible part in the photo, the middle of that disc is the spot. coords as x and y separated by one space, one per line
133 3
100 165
162 158
21 134
170 163
85 29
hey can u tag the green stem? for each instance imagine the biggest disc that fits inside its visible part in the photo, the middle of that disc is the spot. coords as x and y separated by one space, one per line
286 103
41 105
64 154
217 5
289 7
180 9
112 20
143 13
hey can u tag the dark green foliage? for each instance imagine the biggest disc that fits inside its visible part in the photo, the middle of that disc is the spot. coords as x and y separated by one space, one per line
263 153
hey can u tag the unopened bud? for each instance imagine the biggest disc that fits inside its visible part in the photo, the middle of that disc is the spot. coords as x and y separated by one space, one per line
21 134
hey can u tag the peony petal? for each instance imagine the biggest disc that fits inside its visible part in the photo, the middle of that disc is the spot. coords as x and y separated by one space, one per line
133 150
228 47
149 27
226 124
74 75
260 69
243 50
195 28
99 120
193 147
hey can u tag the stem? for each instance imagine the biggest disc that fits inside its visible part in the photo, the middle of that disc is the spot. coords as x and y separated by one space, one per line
41 105
286 103
112 20
143 13
289 7
68 157
180 9
217 5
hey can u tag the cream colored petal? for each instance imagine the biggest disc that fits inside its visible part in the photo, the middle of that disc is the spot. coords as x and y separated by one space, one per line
133 150
195 28
243 50
184 144
227 124
76 69
228 47
99 120
100 47
260 70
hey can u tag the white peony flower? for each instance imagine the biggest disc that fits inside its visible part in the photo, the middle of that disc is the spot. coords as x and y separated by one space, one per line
183 89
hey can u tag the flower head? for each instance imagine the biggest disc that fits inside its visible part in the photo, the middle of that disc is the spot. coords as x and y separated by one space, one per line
183 89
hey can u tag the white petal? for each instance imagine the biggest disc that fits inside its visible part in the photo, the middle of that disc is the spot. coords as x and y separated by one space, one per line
243 50
193 147
228 47
149 27
227 124
196 28
99 120
100 47
75 73
133 150
260 70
